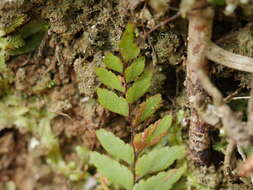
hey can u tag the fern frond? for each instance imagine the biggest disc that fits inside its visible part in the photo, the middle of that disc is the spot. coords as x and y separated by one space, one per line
18 21
2 61
29 46
33 27
13 42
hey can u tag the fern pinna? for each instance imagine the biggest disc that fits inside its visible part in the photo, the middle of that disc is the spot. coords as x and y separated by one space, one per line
133 166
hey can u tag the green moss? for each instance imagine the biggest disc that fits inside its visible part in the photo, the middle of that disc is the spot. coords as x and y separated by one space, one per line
167 48
25 40
12 26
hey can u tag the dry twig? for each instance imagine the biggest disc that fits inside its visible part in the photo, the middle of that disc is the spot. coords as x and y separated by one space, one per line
228 59
228 156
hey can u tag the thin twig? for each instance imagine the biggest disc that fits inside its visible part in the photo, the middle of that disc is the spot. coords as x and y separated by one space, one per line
241 98
232 95
166 21
241 152
228 155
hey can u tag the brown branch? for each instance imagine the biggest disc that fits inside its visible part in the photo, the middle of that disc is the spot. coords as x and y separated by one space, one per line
235 129
199 33
200 48
232 95
226 58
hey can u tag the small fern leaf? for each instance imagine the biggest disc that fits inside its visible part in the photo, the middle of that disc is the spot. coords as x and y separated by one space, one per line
109 79
113 62
150 106
153 134
33 27
163 125
112 102
135 69
140 87
30 45
162 181
159 159
18 21
14 42
3 43
112 170
127 47
115 146
2 62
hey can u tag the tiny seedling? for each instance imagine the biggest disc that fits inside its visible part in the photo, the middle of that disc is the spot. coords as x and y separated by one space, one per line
136 165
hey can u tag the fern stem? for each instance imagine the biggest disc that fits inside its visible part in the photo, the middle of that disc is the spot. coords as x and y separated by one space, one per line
133 132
